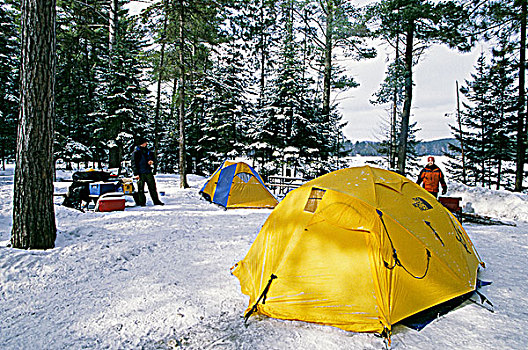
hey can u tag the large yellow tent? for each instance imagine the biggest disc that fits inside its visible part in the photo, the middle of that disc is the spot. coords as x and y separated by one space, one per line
359 249
238 185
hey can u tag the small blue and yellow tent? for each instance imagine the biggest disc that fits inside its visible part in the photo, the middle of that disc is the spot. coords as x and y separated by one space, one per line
237 185
359 249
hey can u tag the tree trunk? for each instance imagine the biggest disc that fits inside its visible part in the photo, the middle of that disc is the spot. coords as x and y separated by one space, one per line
327 79
181 99
114 154
290 47
404 130
2 147
263 51
112 28
461 135
392 142
158 93
33 211
114 157
521 128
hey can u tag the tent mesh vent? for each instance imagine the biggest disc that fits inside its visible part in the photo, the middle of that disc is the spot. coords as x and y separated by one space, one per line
244 177
313 201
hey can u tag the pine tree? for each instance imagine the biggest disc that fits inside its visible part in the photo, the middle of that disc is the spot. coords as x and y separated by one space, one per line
392 92
282 126
192 32
33 211
421 23
81 52
488 121
124 103
9 74
259 25
476 120
340 29
502 103
225 109
497 19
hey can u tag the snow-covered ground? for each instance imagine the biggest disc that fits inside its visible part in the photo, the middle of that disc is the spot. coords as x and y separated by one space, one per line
159 278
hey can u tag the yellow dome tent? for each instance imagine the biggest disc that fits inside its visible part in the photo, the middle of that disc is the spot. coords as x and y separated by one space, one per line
359 249
238 185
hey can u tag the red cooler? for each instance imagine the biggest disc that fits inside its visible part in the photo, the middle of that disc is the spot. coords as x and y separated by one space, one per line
110 204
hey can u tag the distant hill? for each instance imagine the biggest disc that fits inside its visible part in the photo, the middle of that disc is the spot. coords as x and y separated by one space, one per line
362 148
435 147
369 148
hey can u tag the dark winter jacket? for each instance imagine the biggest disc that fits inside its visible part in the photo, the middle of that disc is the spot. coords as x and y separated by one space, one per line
140 159
431 176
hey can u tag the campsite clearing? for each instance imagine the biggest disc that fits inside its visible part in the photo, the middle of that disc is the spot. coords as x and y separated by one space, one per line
158 278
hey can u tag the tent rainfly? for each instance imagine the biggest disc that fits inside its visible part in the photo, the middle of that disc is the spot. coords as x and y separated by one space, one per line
237 185
359 249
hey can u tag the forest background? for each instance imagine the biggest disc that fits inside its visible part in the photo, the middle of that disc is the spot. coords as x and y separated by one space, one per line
209 80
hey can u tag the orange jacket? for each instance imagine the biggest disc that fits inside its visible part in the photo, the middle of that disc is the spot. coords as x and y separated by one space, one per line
431 176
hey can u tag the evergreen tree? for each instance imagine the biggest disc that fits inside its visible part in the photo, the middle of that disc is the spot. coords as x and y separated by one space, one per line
293 126
101 90
507 18
9 74
337 26
160 57
502 103
286 122
392 92
192 32
476 120
124 105
225 109
488 121
259 25
421 23
81 51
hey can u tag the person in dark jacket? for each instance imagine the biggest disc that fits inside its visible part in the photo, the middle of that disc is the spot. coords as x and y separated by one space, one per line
142 160
432 176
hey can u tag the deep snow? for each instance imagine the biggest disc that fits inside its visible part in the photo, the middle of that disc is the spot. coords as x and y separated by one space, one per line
159 277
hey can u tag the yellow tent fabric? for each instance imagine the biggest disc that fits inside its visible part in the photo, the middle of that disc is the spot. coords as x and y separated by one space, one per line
359 249
238 185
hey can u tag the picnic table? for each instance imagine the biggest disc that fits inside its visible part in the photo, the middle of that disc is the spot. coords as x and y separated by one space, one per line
280 185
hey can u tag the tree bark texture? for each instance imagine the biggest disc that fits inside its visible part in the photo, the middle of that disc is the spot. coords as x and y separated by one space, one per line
33 212
404 130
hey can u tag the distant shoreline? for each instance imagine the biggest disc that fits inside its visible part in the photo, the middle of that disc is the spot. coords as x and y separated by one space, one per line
369 148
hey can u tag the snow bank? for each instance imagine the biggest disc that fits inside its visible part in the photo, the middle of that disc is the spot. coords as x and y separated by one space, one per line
494 203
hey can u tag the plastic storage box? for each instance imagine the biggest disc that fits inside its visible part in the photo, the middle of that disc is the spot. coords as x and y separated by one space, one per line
100 188
127 188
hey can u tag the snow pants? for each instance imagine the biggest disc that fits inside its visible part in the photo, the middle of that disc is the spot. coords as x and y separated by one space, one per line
151 184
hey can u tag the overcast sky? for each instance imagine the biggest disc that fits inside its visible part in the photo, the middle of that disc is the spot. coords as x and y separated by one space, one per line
434 93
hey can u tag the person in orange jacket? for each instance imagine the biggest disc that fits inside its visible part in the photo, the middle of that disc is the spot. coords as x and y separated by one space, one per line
432 177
